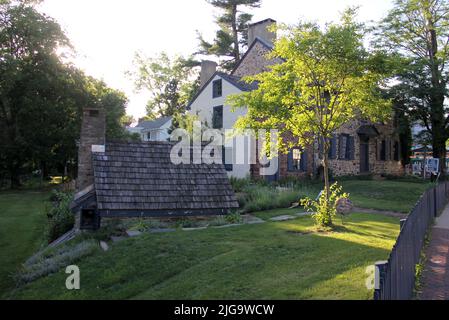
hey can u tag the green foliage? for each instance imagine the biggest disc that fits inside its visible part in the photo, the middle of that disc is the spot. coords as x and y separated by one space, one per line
232 35
325 208
257 197
172 82
239 184
327 79
41 96
60 217
415 34
234 218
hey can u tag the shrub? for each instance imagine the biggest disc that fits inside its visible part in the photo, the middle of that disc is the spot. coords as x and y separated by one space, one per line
234 218
324 209
51 260
60 217
239 184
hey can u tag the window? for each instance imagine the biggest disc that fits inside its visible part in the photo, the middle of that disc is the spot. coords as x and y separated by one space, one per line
217 88
297 160
217 118
346 147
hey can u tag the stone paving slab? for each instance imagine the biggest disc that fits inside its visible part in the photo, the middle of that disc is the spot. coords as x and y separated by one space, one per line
133 233
303 214
161 230
104 246
194 229
282 218
117 239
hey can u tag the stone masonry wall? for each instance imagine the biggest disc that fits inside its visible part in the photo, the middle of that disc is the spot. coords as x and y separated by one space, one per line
376 166
255 61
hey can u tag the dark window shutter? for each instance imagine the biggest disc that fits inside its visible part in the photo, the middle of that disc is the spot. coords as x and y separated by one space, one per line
228 167
290 161
333 148
304 161
350 148
340 147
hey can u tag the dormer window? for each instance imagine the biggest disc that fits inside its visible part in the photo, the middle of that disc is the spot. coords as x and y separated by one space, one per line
217 88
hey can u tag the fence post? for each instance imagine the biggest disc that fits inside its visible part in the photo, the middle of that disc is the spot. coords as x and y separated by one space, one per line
379 277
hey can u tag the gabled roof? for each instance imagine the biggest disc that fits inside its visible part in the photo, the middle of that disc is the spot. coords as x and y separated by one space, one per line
257 40
234 80
154 124
140 178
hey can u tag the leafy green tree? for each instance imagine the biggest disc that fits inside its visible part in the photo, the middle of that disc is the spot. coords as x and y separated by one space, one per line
328 79
418 31
232 35
172 82
40 96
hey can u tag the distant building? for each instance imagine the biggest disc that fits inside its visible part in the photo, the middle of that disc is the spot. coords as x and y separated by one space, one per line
153 130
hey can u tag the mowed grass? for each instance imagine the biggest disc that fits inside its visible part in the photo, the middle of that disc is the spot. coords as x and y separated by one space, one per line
386 194
22 223
283 260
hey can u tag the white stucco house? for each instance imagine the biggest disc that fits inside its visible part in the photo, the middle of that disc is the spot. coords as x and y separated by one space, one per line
359 147
153 130
210 105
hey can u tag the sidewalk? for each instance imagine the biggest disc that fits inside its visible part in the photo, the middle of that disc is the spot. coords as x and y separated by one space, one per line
435 278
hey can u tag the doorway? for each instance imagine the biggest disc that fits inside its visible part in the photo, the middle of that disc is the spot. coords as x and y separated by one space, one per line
364 155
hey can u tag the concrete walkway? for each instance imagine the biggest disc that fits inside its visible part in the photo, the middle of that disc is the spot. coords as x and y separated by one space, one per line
435 278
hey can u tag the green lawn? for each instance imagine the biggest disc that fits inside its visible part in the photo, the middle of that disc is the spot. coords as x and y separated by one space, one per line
286 260
385 195
269 261
22 222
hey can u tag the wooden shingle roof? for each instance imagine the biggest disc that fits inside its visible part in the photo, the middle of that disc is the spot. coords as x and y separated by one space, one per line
140 177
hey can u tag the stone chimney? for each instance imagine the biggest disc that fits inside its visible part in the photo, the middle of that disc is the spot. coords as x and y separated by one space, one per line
260 30
93 136
208 68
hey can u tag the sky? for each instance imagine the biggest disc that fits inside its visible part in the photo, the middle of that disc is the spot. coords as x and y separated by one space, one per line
107 33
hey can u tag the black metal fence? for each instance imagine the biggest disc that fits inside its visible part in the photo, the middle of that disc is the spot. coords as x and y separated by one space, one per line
395 278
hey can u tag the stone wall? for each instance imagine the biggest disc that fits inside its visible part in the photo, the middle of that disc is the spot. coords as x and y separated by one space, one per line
93 131
376 166
342 167
254 61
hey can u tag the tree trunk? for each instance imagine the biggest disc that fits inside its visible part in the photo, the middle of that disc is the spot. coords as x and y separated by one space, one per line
235 34
326 175
437 95
15 178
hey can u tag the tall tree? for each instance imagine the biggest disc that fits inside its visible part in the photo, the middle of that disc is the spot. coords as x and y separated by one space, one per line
172 82
232 35
40 96
327 80
419 31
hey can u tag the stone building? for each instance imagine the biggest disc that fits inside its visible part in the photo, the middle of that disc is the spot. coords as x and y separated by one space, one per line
359 147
